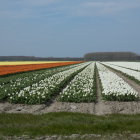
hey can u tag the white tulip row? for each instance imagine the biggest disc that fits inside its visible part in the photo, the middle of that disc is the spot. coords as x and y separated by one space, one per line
20 83
129 72
41 91
81 88
130 65
114 87
34 76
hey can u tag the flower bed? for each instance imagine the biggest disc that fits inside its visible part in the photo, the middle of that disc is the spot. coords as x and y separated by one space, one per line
82 88
115 88
5 70
43 90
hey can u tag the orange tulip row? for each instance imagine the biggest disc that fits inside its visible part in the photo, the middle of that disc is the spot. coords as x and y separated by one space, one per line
6 69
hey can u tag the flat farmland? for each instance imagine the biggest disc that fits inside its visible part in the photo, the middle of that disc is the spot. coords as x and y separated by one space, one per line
87 87
94 100
12 68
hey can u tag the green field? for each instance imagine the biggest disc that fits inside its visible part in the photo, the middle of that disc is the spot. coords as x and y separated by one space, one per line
68 123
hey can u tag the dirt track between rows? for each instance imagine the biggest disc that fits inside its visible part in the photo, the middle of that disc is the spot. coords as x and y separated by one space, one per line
102 108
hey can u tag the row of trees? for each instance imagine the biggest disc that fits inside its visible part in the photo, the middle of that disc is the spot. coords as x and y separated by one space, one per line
112 56
96 56
32 58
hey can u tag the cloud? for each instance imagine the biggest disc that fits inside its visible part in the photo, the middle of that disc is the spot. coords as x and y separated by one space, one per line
105 7
26 13
27 9
97 4
82 8
37 2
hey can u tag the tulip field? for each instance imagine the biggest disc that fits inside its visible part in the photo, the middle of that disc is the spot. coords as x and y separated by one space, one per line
10 63
82 88
68 82
114 87
11 69
132 70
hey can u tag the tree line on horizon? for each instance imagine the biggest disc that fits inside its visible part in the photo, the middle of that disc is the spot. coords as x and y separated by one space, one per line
95 56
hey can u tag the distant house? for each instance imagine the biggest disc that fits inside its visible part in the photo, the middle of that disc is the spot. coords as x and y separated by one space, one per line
111 56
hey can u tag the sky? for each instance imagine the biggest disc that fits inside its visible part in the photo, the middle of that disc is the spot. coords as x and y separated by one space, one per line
68 28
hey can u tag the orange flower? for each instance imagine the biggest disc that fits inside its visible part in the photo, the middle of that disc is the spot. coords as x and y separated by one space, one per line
11 69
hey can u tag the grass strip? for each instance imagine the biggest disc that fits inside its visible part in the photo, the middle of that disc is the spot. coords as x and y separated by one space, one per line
64 123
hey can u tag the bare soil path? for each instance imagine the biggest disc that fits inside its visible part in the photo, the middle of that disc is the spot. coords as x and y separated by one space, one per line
100 106
77 137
